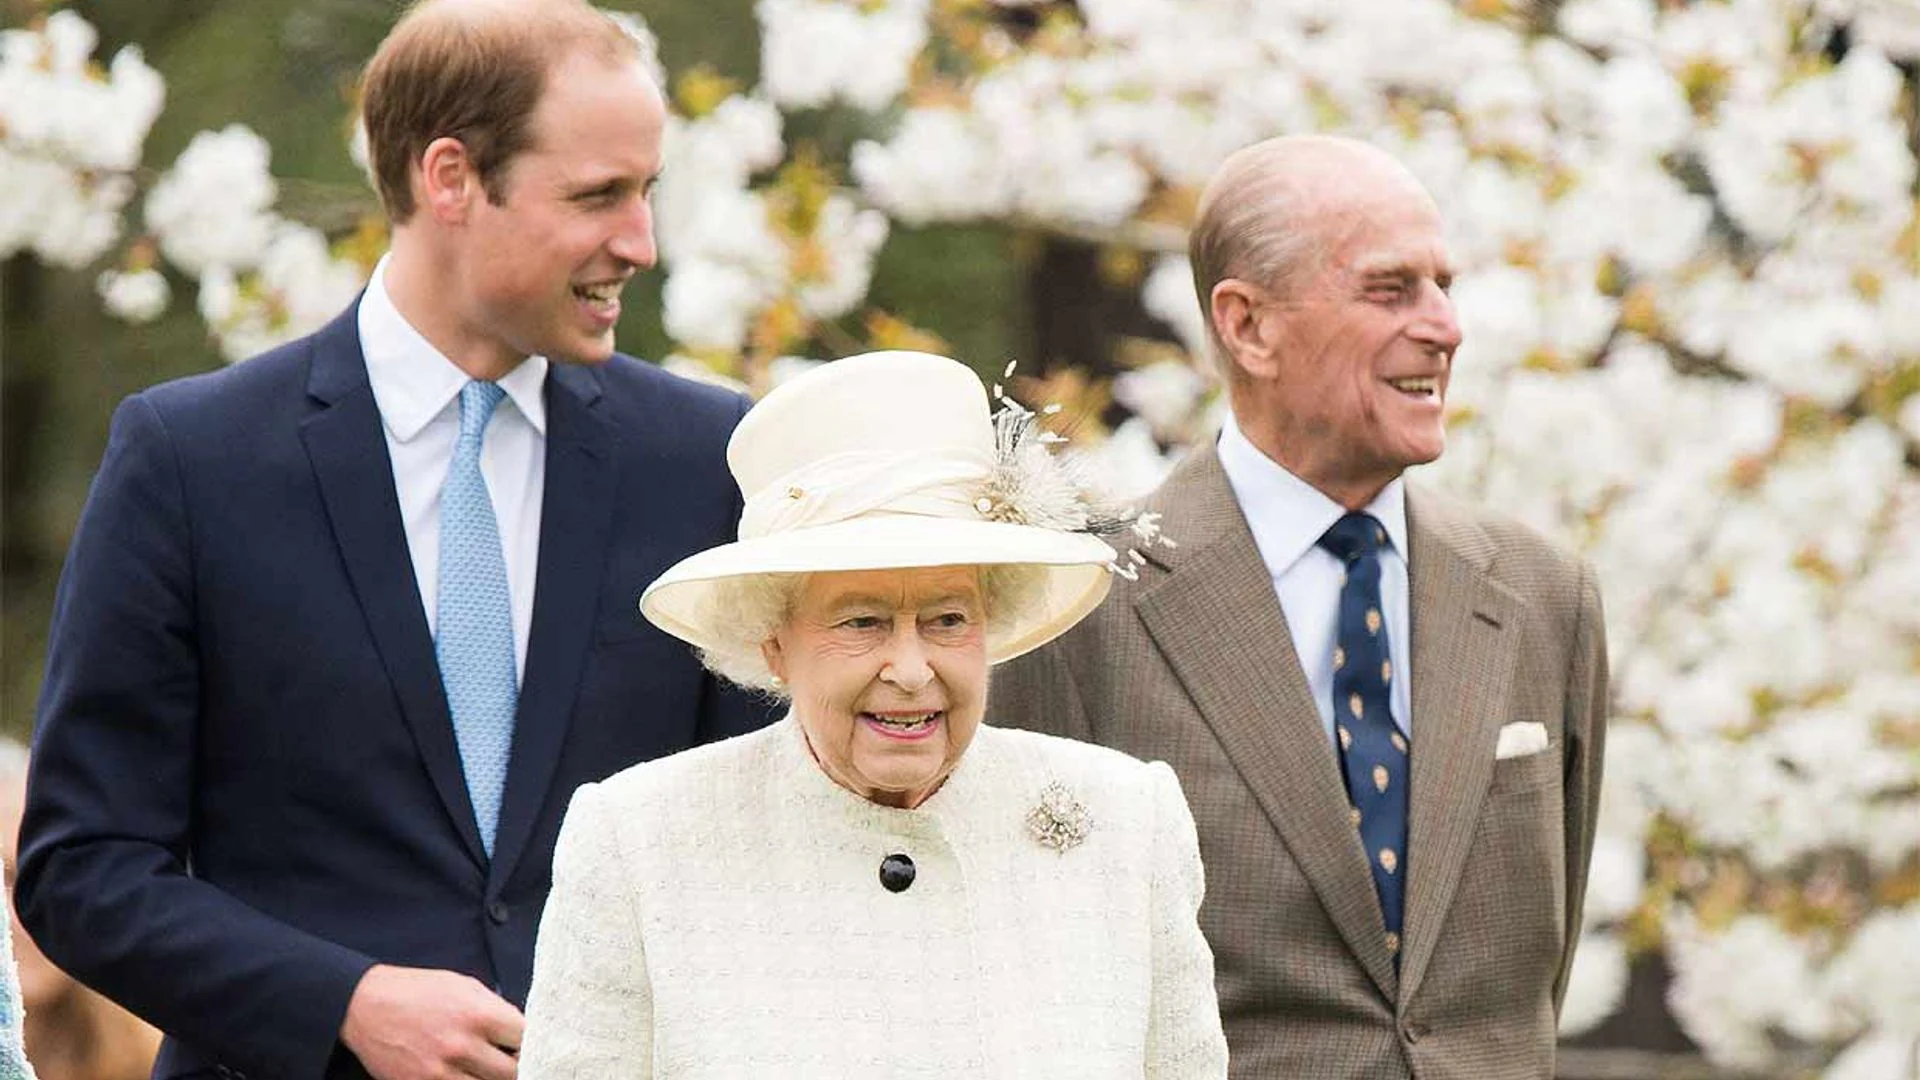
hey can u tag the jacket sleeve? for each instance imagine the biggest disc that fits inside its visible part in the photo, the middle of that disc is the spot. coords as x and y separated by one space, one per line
590 1012
1586 737
106 885
1184 1037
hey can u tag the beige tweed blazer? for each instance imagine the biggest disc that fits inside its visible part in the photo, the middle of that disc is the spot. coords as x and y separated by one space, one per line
1194 665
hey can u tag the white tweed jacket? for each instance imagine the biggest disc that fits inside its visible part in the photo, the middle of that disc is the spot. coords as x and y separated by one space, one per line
719 913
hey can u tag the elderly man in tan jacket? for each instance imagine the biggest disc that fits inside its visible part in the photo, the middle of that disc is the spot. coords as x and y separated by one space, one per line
1386 708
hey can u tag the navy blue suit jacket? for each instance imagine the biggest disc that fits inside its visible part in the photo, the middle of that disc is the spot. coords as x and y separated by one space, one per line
245 788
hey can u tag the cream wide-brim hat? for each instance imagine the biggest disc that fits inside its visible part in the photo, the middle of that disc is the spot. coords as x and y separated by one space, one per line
881 461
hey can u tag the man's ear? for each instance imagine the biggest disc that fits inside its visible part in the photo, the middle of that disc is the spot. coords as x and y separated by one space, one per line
446 182
1243 318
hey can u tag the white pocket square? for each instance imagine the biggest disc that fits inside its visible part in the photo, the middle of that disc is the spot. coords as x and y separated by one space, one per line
1520 739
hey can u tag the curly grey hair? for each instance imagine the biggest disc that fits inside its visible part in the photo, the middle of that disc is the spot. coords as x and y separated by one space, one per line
753 607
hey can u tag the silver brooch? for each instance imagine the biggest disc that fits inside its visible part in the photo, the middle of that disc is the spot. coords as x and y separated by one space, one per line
1060 821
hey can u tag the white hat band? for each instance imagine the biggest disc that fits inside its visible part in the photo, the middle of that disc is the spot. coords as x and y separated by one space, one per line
941 483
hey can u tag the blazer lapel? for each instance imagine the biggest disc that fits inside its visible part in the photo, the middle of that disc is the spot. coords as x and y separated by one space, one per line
348 451
1462 673
576 517
1247 683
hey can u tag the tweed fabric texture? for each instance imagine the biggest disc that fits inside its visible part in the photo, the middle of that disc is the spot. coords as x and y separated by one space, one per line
1193 664
474 642
719 914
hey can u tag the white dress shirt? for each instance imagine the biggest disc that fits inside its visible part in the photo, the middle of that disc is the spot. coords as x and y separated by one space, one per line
418 392
1288 516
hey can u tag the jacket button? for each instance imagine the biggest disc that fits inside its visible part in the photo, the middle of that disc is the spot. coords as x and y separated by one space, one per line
896 873
1414 1032
497 913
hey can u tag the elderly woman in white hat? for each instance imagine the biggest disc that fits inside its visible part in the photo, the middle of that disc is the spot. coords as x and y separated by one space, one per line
880 885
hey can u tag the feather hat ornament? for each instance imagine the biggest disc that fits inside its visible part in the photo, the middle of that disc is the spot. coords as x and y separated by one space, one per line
1032 485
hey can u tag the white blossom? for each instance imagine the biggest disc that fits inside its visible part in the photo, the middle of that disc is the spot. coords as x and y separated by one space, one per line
213 208
1890 1055
1164 394
1873 977
1615 877
1910 417
851 238
1168 294
1126 465
814 52
725 227
1642 105
1596 985
299 285
63 216
137 296
1609 24
940 165
1892 26
1727 986
708 305
53 105
782 369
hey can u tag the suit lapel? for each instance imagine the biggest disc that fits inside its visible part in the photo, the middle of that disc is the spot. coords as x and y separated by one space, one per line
1247 683
1462 674
576 517
348 451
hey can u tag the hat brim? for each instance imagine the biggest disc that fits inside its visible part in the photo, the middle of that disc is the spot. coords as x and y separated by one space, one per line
1075 579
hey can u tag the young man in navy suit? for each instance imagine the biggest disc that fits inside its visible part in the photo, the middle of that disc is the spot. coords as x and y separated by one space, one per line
343 626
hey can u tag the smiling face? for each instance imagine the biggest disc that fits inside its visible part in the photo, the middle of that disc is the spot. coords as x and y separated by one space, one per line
888 673
540 271
1365 354
1342 377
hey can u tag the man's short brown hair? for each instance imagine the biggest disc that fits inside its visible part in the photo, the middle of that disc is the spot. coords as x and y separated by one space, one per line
472 70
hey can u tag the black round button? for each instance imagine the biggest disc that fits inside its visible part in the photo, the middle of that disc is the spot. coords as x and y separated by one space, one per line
497 912
896 872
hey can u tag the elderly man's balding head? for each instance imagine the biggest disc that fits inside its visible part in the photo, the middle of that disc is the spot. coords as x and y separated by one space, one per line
1273 209
472 70
1323 272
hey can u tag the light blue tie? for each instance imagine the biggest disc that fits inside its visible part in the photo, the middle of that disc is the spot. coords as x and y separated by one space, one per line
475 642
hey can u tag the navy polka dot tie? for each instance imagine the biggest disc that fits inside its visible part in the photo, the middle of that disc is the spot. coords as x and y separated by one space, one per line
1374 755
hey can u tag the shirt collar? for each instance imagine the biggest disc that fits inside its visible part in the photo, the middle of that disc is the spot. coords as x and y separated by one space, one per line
413 382
1288 515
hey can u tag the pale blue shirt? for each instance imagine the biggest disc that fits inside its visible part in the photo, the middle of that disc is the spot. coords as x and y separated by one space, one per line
417 390
1288 516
